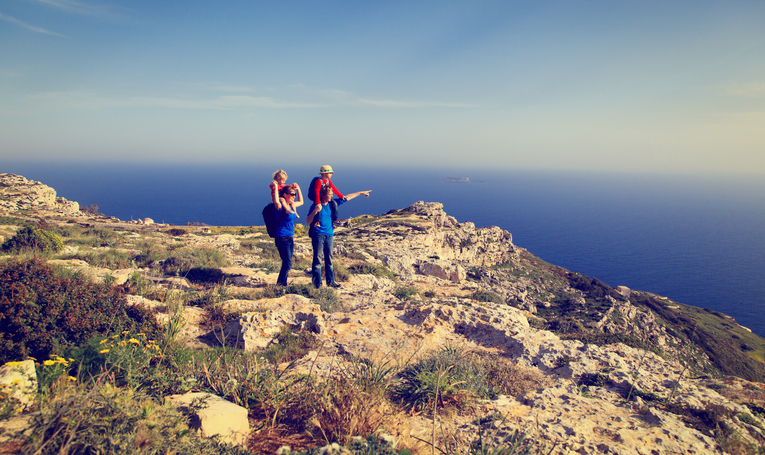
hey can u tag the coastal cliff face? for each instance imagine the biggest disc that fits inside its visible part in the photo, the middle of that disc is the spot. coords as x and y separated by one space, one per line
17 194
621 371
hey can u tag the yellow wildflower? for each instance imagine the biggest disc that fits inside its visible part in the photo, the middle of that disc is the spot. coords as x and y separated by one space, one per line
32 358
48 363
125 332
134 341
16 381
13 364
104 341
72 378
103 351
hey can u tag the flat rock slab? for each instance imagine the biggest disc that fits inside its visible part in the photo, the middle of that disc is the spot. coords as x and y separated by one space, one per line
214 416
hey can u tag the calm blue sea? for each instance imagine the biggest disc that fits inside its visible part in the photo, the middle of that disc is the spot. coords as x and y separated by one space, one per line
697 240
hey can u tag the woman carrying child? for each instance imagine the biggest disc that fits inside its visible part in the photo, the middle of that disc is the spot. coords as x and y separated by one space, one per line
288 199
279 182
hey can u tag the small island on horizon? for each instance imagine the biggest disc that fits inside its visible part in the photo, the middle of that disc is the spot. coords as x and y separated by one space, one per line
457 180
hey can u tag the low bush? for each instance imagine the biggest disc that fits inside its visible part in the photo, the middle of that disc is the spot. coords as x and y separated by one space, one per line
487 296
447 378
267 266
505 377
341 273
341 412
267 251
41 311
405 292
33 239
364 268
290 344
205 275
182 260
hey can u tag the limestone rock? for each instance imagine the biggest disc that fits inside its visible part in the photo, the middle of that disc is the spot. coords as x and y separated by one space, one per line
18 380
215 416
258 329
18 193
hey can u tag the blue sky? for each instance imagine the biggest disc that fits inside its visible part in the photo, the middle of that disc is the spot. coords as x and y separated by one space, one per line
576 85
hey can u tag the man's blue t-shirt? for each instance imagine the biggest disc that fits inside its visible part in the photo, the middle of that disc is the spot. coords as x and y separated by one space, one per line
325 218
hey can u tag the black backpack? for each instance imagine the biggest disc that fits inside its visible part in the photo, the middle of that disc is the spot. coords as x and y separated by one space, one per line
271 219
312 188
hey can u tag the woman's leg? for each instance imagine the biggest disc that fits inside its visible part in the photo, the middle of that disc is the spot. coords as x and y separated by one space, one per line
285 245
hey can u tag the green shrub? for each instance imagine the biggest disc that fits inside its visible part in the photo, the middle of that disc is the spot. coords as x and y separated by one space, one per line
487 296
268 266
327 300
41 312
33 239
447 378
405 292
341 273
268 251
205 275
363 268
291 344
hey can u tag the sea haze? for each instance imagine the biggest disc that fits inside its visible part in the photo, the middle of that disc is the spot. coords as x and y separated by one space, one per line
697 240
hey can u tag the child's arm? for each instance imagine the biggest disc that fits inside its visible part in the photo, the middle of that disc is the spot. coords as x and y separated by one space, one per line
334 190
316 190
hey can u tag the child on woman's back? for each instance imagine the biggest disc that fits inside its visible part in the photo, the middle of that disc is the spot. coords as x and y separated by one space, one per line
280 178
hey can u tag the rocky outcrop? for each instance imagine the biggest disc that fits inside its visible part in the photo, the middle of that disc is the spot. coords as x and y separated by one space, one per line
17 193
423 239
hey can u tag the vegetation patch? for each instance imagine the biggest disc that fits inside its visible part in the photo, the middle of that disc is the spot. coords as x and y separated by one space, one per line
108 419
405 292
446 378
290 344
487 296
364 268
110 258
33 239
41 312
205 275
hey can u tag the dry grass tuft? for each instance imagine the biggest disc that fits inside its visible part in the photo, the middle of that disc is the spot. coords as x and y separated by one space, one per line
508 378
342 411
